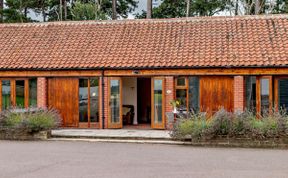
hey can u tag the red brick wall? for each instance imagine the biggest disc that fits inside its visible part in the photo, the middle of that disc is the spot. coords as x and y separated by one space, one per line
238 93
41 92
169 95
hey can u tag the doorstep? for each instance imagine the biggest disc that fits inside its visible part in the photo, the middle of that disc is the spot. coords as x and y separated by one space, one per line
121 134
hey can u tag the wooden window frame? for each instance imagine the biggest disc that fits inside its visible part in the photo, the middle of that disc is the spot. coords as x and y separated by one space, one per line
153 124
13 91
258 93
186 87
276 90
110 124
90 124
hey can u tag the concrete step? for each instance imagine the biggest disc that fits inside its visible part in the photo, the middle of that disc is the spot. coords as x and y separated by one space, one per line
141 141
122 134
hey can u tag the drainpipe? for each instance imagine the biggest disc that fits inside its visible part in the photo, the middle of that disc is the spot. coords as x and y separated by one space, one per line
103 102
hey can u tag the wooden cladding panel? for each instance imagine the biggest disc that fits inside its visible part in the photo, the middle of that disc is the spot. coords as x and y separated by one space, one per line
216 92
63 96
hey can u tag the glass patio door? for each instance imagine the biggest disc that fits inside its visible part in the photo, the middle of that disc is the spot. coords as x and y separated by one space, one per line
115 103
158 114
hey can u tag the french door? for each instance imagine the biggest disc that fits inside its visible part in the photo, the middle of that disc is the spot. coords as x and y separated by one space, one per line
89 102
158 103
115 102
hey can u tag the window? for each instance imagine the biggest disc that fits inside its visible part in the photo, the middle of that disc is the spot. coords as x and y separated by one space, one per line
33 92
181 81
6 94
265 95
83 100
20 93
258 94
89 100
193 96
283 94
94 100
250 93
181 94
187 93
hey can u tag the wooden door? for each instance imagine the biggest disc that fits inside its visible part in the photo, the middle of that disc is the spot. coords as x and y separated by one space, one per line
216 92
63 96
158 103
115 103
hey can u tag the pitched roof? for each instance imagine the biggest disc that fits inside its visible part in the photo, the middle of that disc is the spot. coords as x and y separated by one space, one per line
187 42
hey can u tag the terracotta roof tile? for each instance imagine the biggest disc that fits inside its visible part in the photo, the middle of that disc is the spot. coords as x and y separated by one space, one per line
186 42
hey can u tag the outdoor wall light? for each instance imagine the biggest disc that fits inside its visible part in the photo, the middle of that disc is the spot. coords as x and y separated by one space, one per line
135 72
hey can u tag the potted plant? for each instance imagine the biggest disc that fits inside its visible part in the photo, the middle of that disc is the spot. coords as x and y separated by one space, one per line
175 104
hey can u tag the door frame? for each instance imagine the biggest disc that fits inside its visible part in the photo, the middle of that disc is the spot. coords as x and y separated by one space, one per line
276 90
153 124
90 124
258 93
110 124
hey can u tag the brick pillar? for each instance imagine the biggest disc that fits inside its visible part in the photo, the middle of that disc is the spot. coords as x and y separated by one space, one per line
169 96
238 93
106 102
41 92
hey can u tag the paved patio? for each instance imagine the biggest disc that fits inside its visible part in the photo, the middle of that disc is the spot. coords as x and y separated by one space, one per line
112 134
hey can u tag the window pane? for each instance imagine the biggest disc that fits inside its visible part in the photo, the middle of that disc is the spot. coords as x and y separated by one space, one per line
6 94
194 94
158 91
20 92
250 93
94 100
115 101
283 93
181 81
264 95
181 97
83 100
33 92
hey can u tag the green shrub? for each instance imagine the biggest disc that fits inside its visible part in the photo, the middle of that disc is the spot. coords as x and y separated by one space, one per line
13 120
31 120
193 127
223 123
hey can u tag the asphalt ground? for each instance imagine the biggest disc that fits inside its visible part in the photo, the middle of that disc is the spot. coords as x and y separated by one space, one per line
77 159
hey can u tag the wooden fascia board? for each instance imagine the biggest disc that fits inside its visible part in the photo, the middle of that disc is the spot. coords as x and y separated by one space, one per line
208 71
150 72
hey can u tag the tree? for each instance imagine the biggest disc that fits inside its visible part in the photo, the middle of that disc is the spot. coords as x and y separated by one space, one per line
188 8
123 7
178 8
114 9
16 11
87 11
149 9
1 10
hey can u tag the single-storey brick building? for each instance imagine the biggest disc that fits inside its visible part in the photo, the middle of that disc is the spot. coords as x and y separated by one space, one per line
112 74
